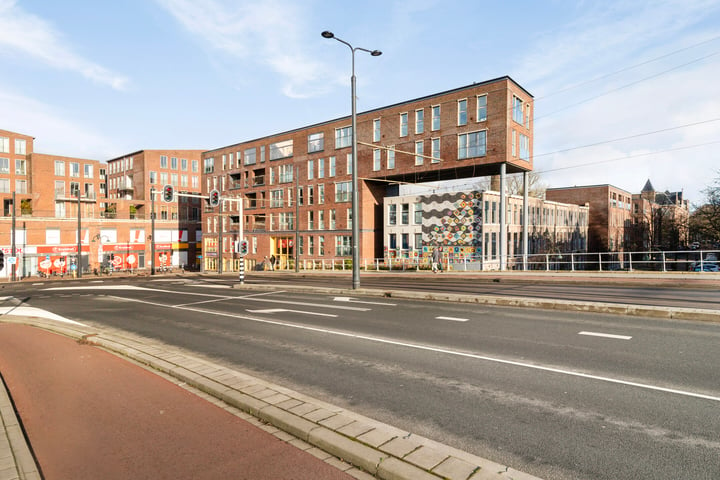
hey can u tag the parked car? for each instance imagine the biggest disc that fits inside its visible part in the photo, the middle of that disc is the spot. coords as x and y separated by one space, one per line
706 267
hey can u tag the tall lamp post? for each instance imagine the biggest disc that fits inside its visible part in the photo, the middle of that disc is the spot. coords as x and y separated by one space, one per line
354 193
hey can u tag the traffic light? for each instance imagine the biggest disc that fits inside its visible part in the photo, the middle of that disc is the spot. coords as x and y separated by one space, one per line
168 193
243 247
2 260
214 198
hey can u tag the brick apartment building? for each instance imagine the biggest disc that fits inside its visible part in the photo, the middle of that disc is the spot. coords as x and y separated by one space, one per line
112 230
466 226
610 213
296 185
178 227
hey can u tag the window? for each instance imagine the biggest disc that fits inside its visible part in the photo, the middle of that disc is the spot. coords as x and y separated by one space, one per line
4 145
321 194
276 198
392 241
174 179
435 150
74 169
20 146
174 164
163 161
59 188
311 245
462 112
21 186
517 110
321 168
183 180
20 167
392 214
280 150
164 178
321 220
343 246
343 137
321 245
376 130
403 124
333 219
153 177
331 167
183 164
195 166
435 117
405 214
195 181
419 151
59 168
300 196
88 171
527 116
311 220
316 142
4 185
419 121
285 173
74 189
4 165
472 144
342 191
249 156
208 165
311 169
377 159
418 241
391 157
405 241
418 214
524 147
481 108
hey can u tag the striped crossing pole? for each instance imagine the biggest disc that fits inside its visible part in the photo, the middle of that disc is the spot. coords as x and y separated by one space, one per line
242 270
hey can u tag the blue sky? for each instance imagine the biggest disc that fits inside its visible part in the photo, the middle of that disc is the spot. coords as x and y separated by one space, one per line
100 79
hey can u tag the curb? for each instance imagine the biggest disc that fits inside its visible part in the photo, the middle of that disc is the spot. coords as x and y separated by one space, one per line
384 452
20 465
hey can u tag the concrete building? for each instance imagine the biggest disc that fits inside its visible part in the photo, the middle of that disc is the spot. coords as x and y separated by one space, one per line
466 226
296 185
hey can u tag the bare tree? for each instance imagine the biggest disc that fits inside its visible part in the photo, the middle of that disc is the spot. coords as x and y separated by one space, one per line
705 219
536 188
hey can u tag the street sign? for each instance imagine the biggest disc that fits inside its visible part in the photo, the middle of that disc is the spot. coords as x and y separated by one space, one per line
11 260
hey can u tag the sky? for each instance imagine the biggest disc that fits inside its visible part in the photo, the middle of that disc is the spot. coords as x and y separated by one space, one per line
625 90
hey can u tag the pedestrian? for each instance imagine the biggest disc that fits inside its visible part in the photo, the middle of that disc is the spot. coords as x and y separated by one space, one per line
436 260
272 262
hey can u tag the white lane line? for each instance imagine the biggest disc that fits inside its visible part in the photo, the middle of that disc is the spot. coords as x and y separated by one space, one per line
352 300
280 310
606 335
37 312
206 301
440 350
453 319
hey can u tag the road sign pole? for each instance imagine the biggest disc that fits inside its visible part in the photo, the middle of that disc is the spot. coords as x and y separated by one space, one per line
241 275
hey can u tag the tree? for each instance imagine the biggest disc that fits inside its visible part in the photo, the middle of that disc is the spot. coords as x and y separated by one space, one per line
514 184
705 219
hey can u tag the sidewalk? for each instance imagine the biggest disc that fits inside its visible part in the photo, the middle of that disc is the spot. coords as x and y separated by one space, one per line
90 414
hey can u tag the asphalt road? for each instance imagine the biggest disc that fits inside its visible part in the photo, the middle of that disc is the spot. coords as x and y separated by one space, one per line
558 395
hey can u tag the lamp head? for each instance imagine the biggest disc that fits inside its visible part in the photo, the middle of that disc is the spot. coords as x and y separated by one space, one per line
327 34
376 53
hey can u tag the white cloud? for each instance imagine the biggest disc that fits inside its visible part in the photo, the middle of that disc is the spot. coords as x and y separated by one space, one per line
266 33
32 36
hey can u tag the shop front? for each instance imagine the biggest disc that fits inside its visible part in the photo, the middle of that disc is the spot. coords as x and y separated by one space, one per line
53 260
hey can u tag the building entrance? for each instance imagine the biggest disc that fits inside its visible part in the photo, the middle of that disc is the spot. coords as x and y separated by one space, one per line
283 248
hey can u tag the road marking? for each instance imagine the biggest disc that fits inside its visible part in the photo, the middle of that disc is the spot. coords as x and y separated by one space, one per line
446 351
280 310
453 319
351 300
606 335
337 307
206 301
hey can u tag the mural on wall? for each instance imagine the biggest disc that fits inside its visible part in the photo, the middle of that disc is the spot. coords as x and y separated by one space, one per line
453 220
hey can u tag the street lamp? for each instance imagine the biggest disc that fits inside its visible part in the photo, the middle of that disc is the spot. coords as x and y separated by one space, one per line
354 193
